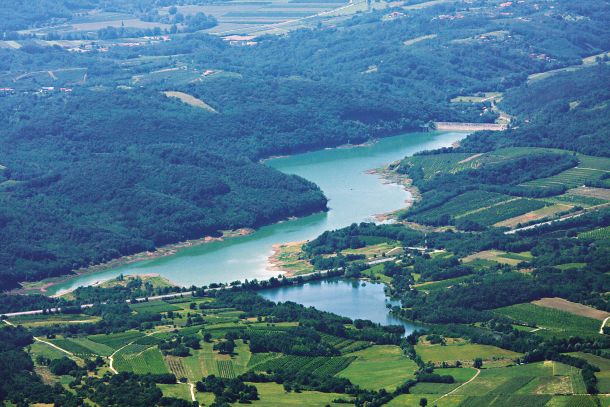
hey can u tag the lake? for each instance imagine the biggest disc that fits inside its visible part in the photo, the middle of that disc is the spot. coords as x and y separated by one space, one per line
358 300
354 196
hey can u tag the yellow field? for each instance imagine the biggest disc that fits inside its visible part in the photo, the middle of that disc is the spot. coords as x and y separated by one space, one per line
190 100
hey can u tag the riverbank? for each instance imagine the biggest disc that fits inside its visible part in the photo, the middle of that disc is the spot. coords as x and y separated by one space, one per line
388 175
41 287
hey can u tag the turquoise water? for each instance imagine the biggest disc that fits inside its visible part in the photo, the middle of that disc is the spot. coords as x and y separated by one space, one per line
358 300
354 196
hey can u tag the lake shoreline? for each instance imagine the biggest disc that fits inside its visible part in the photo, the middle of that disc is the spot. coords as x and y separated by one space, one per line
42 286
407 143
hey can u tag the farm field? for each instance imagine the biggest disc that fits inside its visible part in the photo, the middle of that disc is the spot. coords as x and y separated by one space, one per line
603 376
462 205
379 367
596 234
538 214
140 359
310 365
464 352
555 323
376 250
571 178
503 211
31 321
541 378
499 256
179 391
272 395
439 163
442 285
599 193
572 308
154 307
42 349
255 17
117 340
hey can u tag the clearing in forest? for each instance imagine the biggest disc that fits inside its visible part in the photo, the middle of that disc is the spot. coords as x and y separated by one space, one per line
572 308
419 39
190 100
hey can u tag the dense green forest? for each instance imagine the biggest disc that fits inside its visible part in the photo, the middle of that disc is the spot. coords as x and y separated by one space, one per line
113 167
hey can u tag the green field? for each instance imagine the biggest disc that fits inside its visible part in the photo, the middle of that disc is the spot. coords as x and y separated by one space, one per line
462 351
39 348
154 307
179 391
603 376
503 211
312 365
30 321
554 322
597 234
432 164
542 378
571 178
115 341
412 400
463 205
138 360
380 366
273 395
442 285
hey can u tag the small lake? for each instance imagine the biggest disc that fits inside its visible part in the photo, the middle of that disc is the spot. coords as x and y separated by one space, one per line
354 196
349 298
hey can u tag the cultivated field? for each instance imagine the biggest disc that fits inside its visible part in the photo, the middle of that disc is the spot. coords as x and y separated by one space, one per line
464 352
572 308
499 257
379 367
539 214
553 322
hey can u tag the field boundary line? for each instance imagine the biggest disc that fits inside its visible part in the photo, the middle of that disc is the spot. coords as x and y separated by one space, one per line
459 387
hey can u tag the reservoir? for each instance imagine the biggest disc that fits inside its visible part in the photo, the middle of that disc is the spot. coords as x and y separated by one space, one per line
354 196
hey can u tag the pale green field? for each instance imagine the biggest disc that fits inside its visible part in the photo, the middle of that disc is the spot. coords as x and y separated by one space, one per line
273 395
464 352
380 366
412 400
553 321
603 376
179 391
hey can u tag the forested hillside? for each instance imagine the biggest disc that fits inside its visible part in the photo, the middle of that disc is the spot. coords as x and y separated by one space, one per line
96 162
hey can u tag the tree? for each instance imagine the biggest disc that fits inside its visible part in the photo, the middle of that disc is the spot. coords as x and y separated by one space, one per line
423 402
478 363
